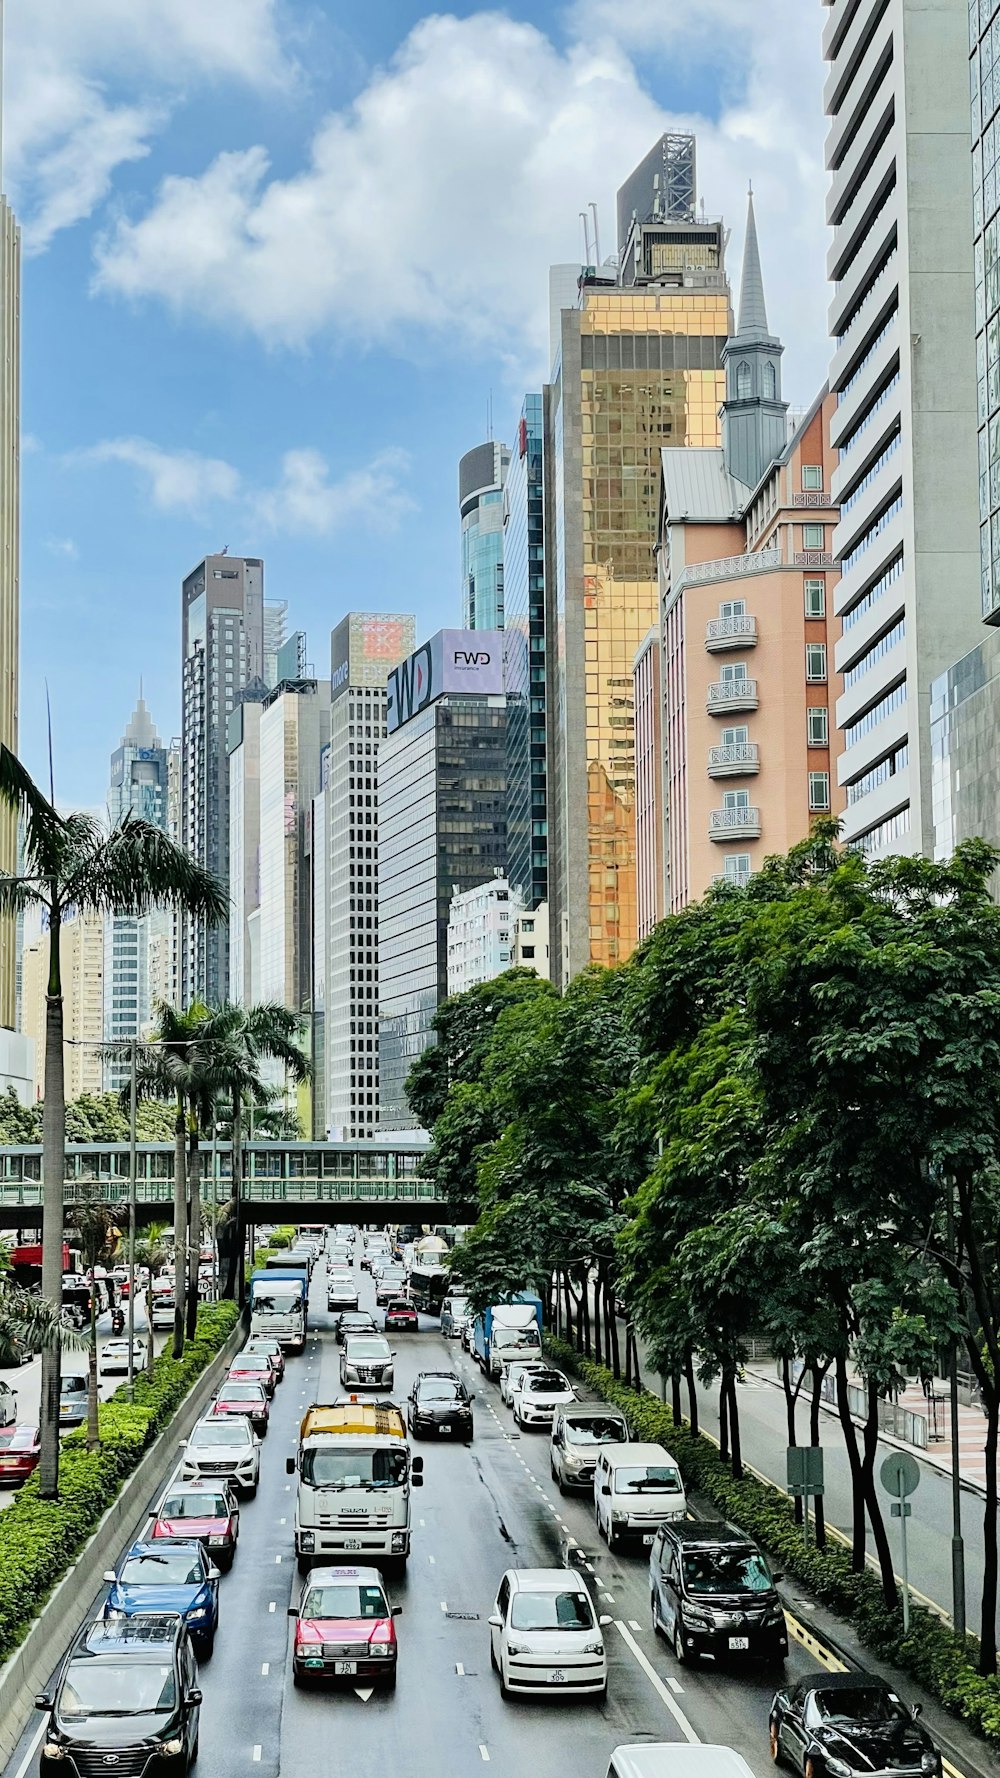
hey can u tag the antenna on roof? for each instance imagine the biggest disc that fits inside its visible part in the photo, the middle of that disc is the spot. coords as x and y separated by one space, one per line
597 238
586 238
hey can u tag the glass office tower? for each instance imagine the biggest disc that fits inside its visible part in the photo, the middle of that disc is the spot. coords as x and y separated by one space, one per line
481 476
524 654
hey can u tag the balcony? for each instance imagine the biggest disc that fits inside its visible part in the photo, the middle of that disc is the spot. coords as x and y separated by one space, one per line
730 632
734 761
734 824
813 558
761 561
738 879
726 695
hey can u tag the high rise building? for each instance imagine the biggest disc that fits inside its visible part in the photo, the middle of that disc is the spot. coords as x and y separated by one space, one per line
222 641
639 367
481 476
82 959
294 729
364 647
138 787
480 933
442 829
275 617
985 88
243 744
524 659
903 373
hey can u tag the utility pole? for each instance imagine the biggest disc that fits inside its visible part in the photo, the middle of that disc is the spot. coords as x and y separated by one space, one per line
957 1542
133 1094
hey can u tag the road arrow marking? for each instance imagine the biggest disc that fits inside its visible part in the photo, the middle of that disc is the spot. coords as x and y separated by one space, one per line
363 1692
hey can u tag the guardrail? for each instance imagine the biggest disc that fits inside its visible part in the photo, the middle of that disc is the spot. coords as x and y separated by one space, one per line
30 1195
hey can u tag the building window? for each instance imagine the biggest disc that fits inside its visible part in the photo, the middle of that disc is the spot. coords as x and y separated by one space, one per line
734 670
736 865
815 598
816 662
812 477
812 536
736 799
735 737
819 790
733 608
770 382
818 724
743 381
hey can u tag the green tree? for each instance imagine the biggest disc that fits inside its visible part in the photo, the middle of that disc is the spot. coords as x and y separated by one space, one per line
99 1237
72 862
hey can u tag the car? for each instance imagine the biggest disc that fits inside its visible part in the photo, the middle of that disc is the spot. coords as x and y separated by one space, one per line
579 1429
544 1637
114 1356
842 1723
162 1577
354 1321
672 1759
20 1449
455 1312
344 1628
366 1362
204 1510
540 1393
439 1402
127 1699
72 1400
341 1293
391 1282
253 1367
401 1314
637 1488
247 1398
510 1375
272 1348
712 1593
226 1448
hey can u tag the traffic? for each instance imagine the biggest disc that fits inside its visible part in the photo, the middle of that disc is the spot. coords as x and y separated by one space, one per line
530 1590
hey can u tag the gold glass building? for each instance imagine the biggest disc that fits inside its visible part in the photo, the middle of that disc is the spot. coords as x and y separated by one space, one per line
10 434
639 366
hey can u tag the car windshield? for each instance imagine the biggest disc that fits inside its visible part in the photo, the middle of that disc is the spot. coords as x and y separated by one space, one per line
344 1601
595 1431
544 1382
516 1336
401 1309
268 1347
278 1301
658 1478
359 1322
217 1432
367 1349
194 1506
354 1469
871 1705
74 1385
551 1611
17 1438
726 1571
116 1688
172 1568
439 1389
241 1392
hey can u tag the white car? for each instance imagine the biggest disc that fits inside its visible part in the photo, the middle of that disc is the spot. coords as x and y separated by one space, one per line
341 1293
540 1394
114 1356
223 1446
511 1374
544 1636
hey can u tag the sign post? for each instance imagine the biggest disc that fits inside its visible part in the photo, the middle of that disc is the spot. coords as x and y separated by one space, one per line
900 1476
805 1477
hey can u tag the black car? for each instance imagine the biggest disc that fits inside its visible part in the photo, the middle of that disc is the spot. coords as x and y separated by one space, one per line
832 1725
439 1402
711 1593
354 1321
127 1699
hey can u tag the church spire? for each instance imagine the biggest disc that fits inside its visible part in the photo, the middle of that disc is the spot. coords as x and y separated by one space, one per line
753 413
753 313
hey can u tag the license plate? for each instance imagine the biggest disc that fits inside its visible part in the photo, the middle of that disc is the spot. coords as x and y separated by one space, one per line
739 1642
352 1543
647 1537
345 1666
444 1428
557 1678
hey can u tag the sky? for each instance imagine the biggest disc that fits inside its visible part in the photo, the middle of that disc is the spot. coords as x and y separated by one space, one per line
281 259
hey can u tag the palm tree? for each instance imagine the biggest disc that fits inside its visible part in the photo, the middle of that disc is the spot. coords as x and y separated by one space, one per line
30 1324
151 1252
99 1238
71 861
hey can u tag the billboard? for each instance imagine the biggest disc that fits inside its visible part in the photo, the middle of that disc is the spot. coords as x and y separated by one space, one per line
457 661
365 644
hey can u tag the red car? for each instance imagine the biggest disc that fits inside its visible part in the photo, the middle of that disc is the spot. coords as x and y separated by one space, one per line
254 1367
206 1511
344 1628
271 1347
401 1315
245 1398
20 1449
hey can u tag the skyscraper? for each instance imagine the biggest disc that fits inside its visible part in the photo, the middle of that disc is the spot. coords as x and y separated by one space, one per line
903 370
294 730
481 476
524 659
82 963
639 367
222 641
243 744
138 787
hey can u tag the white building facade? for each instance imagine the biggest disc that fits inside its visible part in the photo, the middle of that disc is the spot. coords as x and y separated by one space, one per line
480 934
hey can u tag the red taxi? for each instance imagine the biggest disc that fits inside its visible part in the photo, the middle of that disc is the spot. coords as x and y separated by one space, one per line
271 1347
254 1367
20 1449
344 1628
202 1511
245 1398
399 1315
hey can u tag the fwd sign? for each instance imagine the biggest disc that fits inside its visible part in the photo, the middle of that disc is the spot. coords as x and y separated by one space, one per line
464 658
409 688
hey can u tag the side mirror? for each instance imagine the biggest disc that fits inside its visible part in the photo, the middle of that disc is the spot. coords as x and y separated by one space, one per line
472 1395
194 1696
418 1481
110 1576
776 1578
293 1611
43 1701
213 1572
289 1465
605 1618
496 1621
606 1488
418 1466
182 1444
397 1611
918 1711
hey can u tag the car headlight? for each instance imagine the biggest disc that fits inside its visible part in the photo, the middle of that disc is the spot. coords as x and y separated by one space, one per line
518 1648
52 1750
215 1542
700 1620
398 1542
619 1518
839 1767
928 1762
172 1747
594 1648
114 1616
307 1542
380 1648
198 1611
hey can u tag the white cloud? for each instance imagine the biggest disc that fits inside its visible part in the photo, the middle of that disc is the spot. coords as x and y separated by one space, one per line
62 546
436 201
67 126
304 501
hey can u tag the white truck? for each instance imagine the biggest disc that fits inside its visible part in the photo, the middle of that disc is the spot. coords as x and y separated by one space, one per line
279 1304
355 1476
508 1332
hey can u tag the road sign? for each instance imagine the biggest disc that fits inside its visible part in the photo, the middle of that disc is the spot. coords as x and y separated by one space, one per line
805 1469
900 1474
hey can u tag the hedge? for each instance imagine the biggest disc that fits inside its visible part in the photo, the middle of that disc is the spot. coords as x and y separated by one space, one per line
39 1539
931 1653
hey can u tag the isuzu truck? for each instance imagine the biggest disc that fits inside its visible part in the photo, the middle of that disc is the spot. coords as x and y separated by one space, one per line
355 1476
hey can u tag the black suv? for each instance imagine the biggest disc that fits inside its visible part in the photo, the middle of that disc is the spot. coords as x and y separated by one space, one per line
127 1699
711 1593
439 1402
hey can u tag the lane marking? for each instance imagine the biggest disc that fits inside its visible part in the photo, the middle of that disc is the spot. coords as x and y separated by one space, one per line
813 1646
484 1752
608 1598
633 1625
277 1558
432 1561
444 1605
363 1692
265 1669
459 1669
272 1605
33 1746
282 1521
258 1750
654 1678
675 1685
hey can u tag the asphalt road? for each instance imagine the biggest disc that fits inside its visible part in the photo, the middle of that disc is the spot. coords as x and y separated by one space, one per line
483 1509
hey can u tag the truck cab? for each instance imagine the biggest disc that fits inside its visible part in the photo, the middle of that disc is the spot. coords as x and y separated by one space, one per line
355 1476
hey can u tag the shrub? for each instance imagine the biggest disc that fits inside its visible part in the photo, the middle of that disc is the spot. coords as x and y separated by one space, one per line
943 1663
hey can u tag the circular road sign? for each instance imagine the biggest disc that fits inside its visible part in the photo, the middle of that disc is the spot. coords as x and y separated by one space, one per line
900 1474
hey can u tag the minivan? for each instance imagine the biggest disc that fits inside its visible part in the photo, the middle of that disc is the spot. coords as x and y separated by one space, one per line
712 1593
636 1488
677 1759
579 1430
454 1315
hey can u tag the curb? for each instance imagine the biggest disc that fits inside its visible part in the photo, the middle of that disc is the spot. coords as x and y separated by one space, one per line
30 1666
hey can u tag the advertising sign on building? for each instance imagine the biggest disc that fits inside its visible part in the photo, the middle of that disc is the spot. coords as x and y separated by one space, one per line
364 645
456 661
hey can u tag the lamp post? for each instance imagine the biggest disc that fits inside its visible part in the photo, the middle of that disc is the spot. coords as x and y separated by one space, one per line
957 1543
132 1213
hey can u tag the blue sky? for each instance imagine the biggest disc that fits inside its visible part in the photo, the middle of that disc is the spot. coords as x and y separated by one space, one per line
280 253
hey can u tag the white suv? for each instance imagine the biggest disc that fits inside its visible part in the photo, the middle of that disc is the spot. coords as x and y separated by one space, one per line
223 1446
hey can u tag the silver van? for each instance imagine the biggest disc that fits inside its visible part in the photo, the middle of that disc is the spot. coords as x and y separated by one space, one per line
454 1315
579 1430
677 1759
636 1488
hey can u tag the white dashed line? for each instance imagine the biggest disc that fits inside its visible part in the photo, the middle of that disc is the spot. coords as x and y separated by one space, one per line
277 1558
258 1750
608 1598
484 1752
431 1560
633 1625
282 1521
656 1682
675 1685
444 1605
272 1605
459 1669
265 1669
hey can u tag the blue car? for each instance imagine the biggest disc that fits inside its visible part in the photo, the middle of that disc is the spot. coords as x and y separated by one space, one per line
168 1577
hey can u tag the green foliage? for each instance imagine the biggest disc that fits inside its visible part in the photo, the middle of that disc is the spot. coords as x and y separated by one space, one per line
94 1117
39 1539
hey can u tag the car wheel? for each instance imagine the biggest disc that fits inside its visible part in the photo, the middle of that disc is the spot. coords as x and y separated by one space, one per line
681 1650
252 1491
813 1769
655 1616
193 1760
776 1755
303 1564
206 1647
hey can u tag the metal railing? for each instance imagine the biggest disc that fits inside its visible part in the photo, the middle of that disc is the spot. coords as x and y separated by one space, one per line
726 567
28 1195
737 756
725 632
813 558
738 878
729 694
811 497
730 824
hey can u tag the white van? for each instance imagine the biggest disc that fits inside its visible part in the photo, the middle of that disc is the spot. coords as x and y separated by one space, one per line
677 1759
636 1487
